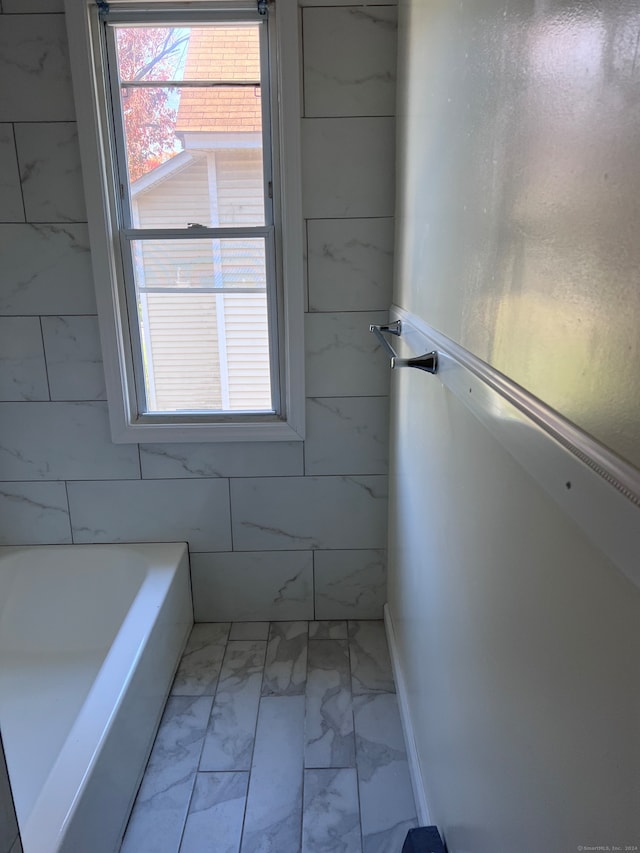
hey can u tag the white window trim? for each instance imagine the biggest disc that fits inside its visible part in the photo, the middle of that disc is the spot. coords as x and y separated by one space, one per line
89 91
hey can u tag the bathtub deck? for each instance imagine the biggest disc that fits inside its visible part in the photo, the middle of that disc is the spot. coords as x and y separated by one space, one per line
278 738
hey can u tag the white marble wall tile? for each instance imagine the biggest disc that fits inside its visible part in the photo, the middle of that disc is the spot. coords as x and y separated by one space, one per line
350 264
228 744
8 822
201 661
329 738
46 269
61 441
347 435
10 7
11 208
292 513
23 375
387 806
34 514
331 813
49 161
160 809
243 459
252 586
74 358
274 804
17 847
348 167
349 61
193 511
343 358
285 671
216 813
350 584
249 631
35 77
328 629
370 662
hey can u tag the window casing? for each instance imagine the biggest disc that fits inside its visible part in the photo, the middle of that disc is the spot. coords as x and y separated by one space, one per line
176 293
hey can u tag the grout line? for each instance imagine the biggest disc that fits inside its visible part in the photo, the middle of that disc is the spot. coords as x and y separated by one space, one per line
230 515
313 591
15 149
66 491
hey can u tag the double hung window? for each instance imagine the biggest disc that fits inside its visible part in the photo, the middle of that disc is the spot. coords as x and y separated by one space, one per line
193 197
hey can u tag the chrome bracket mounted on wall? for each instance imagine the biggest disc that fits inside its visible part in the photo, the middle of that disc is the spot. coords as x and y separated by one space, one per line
427 362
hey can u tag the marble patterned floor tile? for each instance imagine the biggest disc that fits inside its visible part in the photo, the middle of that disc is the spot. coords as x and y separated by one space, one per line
331 814
161 806
274 803
328 629
216 813
249 631
370 662
285 669
329 740
230 734
386 798
201 661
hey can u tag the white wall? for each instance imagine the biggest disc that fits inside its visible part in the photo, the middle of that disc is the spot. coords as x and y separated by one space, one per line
518 639
277 531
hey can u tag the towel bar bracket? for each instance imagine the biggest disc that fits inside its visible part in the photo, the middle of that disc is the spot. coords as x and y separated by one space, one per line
427 362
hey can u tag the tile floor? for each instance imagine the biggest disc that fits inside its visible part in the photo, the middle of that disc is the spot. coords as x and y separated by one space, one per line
279 737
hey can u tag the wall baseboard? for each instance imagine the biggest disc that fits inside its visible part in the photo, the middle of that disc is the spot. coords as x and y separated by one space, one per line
422 809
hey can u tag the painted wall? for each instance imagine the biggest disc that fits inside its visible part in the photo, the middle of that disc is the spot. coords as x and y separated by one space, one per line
518 640
276 531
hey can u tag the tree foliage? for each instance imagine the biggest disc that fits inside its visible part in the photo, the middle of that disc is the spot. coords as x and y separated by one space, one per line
149 53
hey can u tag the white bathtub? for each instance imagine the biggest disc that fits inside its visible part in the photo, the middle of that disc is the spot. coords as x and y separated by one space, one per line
90 636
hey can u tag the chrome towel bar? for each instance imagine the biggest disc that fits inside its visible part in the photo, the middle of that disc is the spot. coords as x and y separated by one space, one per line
427 362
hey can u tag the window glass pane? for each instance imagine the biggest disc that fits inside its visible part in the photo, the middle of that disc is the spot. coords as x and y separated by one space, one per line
199 263
203 322
193 153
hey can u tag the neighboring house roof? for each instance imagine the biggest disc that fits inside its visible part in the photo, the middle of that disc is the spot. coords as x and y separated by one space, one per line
221 53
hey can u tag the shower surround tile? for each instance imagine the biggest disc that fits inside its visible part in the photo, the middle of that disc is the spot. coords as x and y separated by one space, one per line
46 269
160 808
230 734
386 798
35 78
370 661
285 669
74 358
61 441
193 511
347 435
343 358
350 264
23 6
23 374
244 459
11 207
351 584
331 813
34 514
202 659
329 738
349 61
273 512
348 167
49 161
216 813
274 584
274 803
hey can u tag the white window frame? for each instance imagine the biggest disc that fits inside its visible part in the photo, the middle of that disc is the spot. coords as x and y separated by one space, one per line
90 84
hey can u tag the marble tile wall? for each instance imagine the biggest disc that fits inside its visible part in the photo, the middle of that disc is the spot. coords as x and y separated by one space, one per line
276 531
9 836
